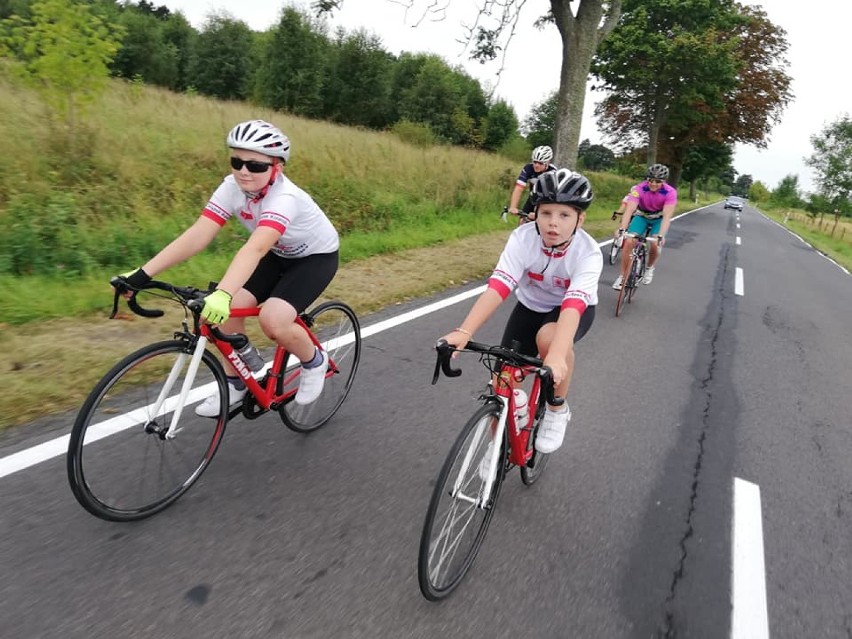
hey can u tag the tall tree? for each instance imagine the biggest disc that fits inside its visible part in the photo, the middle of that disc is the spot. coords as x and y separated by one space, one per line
500 126
291 71
540 124
581 30
358 79
225 58
691 72
145 53
832 162
66 49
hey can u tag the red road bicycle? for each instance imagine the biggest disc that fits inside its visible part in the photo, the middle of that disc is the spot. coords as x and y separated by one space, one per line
137 444
468 485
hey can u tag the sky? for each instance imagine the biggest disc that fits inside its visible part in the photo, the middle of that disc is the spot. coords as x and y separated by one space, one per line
822 92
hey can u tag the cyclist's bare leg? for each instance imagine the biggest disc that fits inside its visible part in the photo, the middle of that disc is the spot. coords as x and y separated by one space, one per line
278 321
543 340
654 254
626 248
243 299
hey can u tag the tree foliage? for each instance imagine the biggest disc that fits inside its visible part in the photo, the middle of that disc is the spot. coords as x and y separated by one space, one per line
540 125
595 157
291 70
742 185
688 73
65 49
225 58
832 162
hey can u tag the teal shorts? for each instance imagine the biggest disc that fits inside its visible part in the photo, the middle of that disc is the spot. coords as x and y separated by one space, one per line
639 225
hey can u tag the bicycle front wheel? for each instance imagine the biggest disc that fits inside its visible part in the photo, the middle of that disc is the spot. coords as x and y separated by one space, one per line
122 464
459 513
534 469
637 272
613 252
336 327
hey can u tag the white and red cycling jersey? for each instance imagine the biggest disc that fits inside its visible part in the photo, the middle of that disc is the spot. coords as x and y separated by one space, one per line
546 278
304 228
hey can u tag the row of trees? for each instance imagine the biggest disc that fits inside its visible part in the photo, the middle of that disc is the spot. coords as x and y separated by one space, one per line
296 66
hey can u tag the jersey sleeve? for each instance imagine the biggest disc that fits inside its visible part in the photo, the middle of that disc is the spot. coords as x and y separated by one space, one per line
510 267
633 195
524 176
584 284
671 196
219 207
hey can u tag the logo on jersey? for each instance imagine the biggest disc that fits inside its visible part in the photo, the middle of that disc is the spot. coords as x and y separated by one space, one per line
246 215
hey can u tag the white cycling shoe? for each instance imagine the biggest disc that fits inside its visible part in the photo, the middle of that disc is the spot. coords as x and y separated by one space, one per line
210 406
552 430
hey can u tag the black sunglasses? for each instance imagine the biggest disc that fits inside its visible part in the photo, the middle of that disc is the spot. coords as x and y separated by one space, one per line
650 180
253 166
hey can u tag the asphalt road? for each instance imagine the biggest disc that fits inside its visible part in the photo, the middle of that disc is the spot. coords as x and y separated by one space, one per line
629 533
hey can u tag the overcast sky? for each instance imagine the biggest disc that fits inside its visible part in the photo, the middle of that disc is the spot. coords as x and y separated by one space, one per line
820 80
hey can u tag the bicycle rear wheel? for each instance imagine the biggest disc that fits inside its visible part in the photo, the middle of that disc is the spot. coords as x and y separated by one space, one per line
455 524
121 466
336 327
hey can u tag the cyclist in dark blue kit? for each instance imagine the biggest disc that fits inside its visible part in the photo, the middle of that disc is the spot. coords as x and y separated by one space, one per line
541 157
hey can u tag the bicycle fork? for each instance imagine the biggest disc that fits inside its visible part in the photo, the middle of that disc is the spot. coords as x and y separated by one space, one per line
496 439
198 353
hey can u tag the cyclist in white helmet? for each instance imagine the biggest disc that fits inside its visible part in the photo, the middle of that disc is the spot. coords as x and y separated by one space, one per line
539 163
288 260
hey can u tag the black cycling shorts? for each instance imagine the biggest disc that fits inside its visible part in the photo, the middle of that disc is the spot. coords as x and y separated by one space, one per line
298 281
524 324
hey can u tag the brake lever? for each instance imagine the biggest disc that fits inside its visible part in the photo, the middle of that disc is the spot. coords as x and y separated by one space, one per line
442 362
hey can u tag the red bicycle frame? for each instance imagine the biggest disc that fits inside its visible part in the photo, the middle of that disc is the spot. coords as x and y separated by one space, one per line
266 396
520 450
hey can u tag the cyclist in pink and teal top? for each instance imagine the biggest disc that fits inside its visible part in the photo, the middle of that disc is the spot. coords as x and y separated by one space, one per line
650 206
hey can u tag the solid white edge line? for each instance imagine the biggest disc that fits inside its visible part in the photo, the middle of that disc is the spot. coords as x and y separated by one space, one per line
805 242
56 447
749 614
738 282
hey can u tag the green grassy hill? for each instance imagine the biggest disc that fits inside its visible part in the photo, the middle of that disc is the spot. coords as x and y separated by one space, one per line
75 210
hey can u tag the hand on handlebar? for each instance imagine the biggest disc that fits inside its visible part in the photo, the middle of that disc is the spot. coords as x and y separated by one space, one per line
128 283
661 239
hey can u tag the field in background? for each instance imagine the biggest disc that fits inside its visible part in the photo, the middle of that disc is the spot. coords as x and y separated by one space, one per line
414 220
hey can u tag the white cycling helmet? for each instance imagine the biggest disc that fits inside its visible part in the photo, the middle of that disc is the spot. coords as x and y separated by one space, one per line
260 136
542 154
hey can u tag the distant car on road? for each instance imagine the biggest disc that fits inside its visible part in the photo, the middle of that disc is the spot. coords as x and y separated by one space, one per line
734 202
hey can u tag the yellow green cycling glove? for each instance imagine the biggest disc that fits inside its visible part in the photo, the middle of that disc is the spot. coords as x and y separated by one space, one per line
217 307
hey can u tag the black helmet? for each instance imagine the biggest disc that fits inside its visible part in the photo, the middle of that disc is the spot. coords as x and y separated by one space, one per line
658 172
563 186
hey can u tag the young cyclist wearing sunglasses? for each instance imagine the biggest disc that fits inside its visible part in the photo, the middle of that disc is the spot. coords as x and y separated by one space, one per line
554 266
650 206
288 260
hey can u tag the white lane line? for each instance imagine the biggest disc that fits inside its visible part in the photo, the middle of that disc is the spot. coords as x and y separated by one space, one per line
739 240
56 447
738 225
738 281
749 616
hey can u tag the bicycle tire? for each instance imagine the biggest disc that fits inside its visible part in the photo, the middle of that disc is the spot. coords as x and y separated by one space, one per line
637 272
534 469
613 252
624 291
336 327
121 466
446 510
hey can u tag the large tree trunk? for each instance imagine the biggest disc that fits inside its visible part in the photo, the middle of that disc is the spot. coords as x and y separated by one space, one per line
580 38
